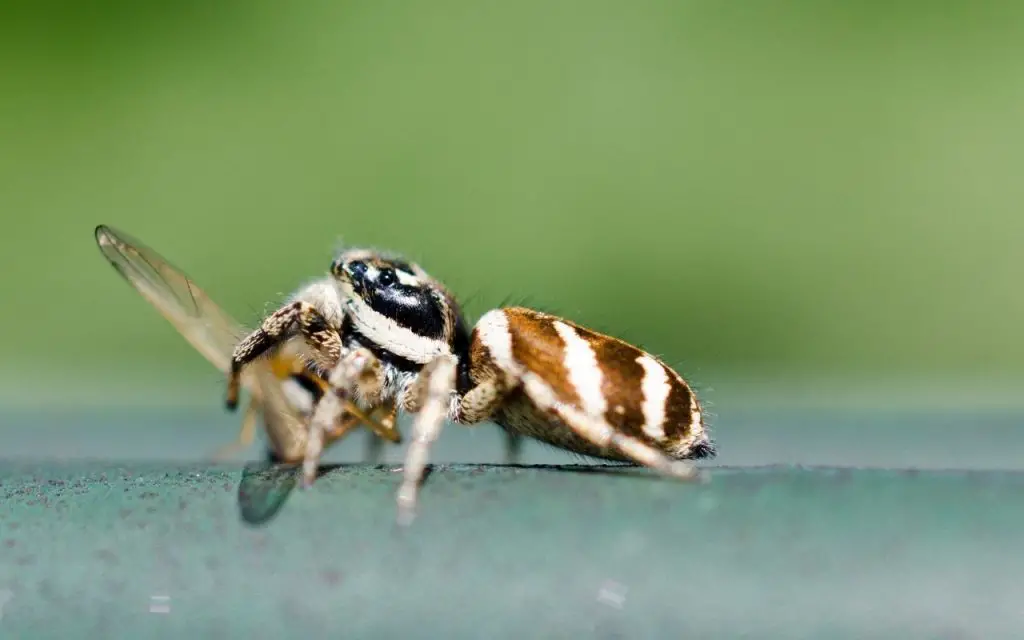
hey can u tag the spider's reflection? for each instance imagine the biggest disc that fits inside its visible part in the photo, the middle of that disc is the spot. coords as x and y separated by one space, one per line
266 485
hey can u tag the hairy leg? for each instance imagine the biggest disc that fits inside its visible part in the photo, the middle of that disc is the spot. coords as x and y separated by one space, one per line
433 403
355 367
296 317
429 398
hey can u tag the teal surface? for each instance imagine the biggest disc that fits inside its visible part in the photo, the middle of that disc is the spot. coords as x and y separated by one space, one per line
931 438
166 551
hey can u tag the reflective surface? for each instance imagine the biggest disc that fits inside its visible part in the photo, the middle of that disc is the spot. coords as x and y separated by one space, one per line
164 551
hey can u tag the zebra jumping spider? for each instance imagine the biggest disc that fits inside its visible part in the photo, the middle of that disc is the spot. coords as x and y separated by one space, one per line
381 330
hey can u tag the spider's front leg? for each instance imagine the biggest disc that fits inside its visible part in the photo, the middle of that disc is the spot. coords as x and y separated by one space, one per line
430 398
358 373
300 317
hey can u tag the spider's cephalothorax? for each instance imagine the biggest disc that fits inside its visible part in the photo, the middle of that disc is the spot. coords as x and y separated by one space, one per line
383 331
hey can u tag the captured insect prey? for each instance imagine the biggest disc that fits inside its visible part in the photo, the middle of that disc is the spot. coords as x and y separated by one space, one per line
383 332
283 390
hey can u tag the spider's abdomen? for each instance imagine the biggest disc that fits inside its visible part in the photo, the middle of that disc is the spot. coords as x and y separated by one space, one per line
608 380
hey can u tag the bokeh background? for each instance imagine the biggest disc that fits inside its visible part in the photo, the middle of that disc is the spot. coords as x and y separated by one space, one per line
793 202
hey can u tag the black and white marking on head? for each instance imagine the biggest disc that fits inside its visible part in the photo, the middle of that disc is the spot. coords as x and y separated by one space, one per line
395 304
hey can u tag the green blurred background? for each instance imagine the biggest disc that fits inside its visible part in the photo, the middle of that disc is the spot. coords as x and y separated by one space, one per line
772 196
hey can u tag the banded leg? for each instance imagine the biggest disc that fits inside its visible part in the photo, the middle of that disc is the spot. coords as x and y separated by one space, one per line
355 367
602 434
433 409
276 328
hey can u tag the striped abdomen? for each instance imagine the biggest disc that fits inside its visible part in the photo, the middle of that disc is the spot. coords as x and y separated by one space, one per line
607 379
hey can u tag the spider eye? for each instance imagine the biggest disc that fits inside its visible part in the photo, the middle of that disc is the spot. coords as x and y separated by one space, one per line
356 268
386 277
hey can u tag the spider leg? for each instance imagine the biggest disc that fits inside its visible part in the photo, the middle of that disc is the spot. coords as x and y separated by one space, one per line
433 409
275 329
355 367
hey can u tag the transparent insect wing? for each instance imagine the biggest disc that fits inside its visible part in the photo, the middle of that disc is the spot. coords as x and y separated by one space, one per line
208 328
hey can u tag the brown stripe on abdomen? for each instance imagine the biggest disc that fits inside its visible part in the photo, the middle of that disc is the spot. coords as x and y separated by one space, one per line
622 379
537 346
679 408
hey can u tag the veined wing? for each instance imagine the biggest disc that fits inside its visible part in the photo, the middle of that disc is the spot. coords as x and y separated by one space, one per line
207 327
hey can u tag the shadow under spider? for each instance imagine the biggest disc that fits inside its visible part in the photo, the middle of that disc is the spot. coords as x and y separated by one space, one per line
263 490
625 469
265 487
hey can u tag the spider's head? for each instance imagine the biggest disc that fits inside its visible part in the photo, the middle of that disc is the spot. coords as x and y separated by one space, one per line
396 304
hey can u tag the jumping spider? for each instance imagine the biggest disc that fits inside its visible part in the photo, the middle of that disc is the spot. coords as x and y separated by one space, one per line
382 331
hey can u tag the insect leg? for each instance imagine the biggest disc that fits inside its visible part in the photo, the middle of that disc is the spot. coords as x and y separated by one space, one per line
383 428
440 376
346 423
602 434
388 416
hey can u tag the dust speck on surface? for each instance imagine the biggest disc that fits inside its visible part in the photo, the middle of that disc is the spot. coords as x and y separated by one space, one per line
106 555
331 577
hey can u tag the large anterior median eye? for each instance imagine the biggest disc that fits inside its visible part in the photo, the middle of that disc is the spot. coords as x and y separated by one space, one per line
386 277
356 268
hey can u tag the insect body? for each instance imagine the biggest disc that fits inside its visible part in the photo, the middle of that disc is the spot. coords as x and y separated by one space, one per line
283 390
383 330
